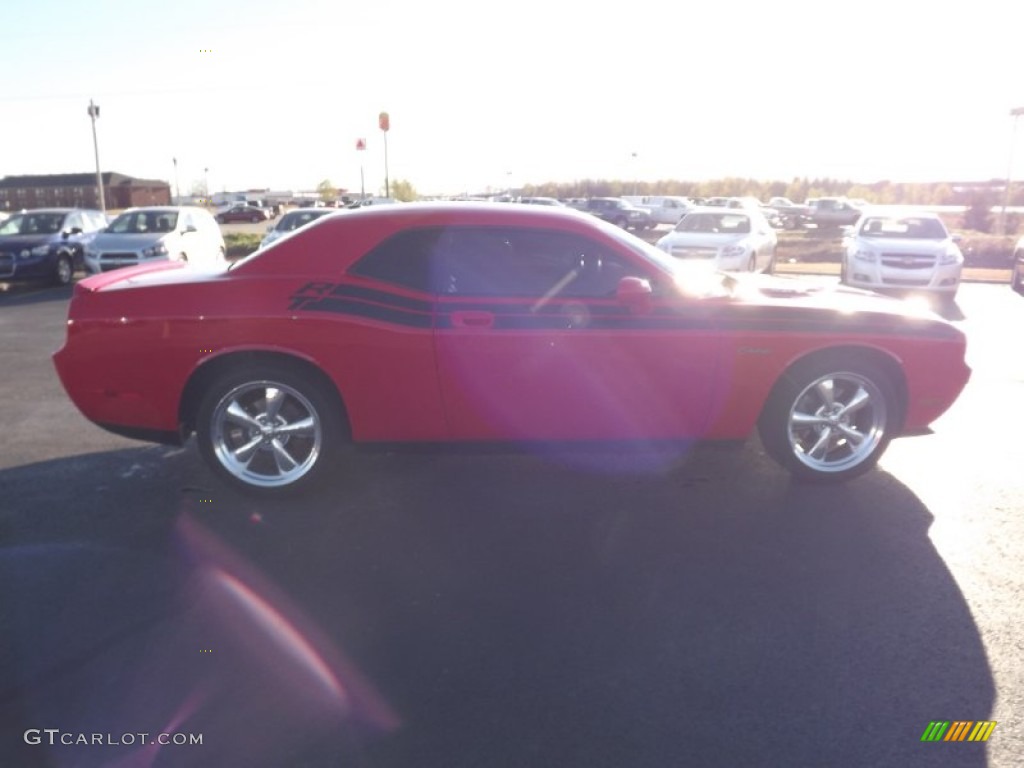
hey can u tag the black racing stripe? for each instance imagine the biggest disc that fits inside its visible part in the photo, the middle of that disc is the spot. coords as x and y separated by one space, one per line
371 311
417 313
520 308
568 321
382 297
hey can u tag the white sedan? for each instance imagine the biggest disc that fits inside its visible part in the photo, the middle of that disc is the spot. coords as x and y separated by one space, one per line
902 251
730 239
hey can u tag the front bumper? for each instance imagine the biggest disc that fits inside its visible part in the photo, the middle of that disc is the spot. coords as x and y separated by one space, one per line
877 276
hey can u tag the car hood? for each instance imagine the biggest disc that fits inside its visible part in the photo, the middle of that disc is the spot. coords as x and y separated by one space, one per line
128 242
902 244
18 242
792 290
715 239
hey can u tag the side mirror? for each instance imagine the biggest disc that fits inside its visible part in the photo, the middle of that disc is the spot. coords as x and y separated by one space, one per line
635 293
189 228
69 232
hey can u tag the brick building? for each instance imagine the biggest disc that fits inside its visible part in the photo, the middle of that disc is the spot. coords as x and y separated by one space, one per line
79 189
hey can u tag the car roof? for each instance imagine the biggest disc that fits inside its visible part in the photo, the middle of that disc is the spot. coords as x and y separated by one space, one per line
164 208
54 210
892 212
718 209
365 226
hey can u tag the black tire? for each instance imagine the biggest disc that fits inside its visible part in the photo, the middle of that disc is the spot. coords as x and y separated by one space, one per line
64 269
806 389
255 219
247 445
221 220
770 269
1017 280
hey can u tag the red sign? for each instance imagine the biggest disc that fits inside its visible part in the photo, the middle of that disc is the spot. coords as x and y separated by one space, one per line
384 121
360 143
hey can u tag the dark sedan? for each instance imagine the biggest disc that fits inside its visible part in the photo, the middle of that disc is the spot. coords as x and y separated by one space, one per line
47 243
243 212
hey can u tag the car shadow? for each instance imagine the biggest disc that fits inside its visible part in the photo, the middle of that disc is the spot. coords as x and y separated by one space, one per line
570 610
23 294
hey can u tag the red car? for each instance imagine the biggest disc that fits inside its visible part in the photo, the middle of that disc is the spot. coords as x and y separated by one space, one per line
463 322
243 212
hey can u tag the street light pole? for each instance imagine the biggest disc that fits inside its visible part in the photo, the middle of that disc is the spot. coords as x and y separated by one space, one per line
634 174
1014 113
177 189
94 112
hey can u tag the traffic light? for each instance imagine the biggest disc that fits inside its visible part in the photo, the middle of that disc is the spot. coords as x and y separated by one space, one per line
384 121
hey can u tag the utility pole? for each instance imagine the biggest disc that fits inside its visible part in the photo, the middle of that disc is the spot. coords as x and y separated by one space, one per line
177 189
94 112
384 122
1014 113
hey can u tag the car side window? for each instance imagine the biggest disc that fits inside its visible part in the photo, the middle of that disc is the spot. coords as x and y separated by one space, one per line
403 259
74 221
531 263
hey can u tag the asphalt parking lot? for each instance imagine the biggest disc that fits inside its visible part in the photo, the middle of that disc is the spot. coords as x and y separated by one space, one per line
582 610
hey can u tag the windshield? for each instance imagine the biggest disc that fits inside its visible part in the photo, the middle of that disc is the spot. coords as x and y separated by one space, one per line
296 219
908 227
144 222
715 223
33 224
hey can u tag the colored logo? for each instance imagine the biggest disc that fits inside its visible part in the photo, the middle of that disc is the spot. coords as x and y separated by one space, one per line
958 730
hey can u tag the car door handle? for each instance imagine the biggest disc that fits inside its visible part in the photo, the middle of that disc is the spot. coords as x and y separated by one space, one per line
473 319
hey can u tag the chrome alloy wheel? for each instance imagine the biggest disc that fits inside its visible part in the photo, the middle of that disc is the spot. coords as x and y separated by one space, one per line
266 433
836 422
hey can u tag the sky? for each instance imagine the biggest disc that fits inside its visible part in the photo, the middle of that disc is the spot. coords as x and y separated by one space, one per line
489 95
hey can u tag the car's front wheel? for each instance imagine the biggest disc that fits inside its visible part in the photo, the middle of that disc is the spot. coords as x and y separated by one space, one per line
270 429
829 419
64 269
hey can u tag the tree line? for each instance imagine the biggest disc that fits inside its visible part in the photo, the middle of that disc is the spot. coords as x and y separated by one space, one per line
797 190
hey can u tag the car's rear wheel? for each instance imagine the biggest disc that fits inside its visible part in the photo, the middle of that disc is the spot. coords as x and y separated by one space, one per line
269 429
64 269
829 420
1017 280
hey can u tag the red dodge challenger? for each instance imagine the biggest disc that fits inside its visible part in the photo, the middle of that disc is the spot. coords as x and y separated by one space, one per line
463 322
